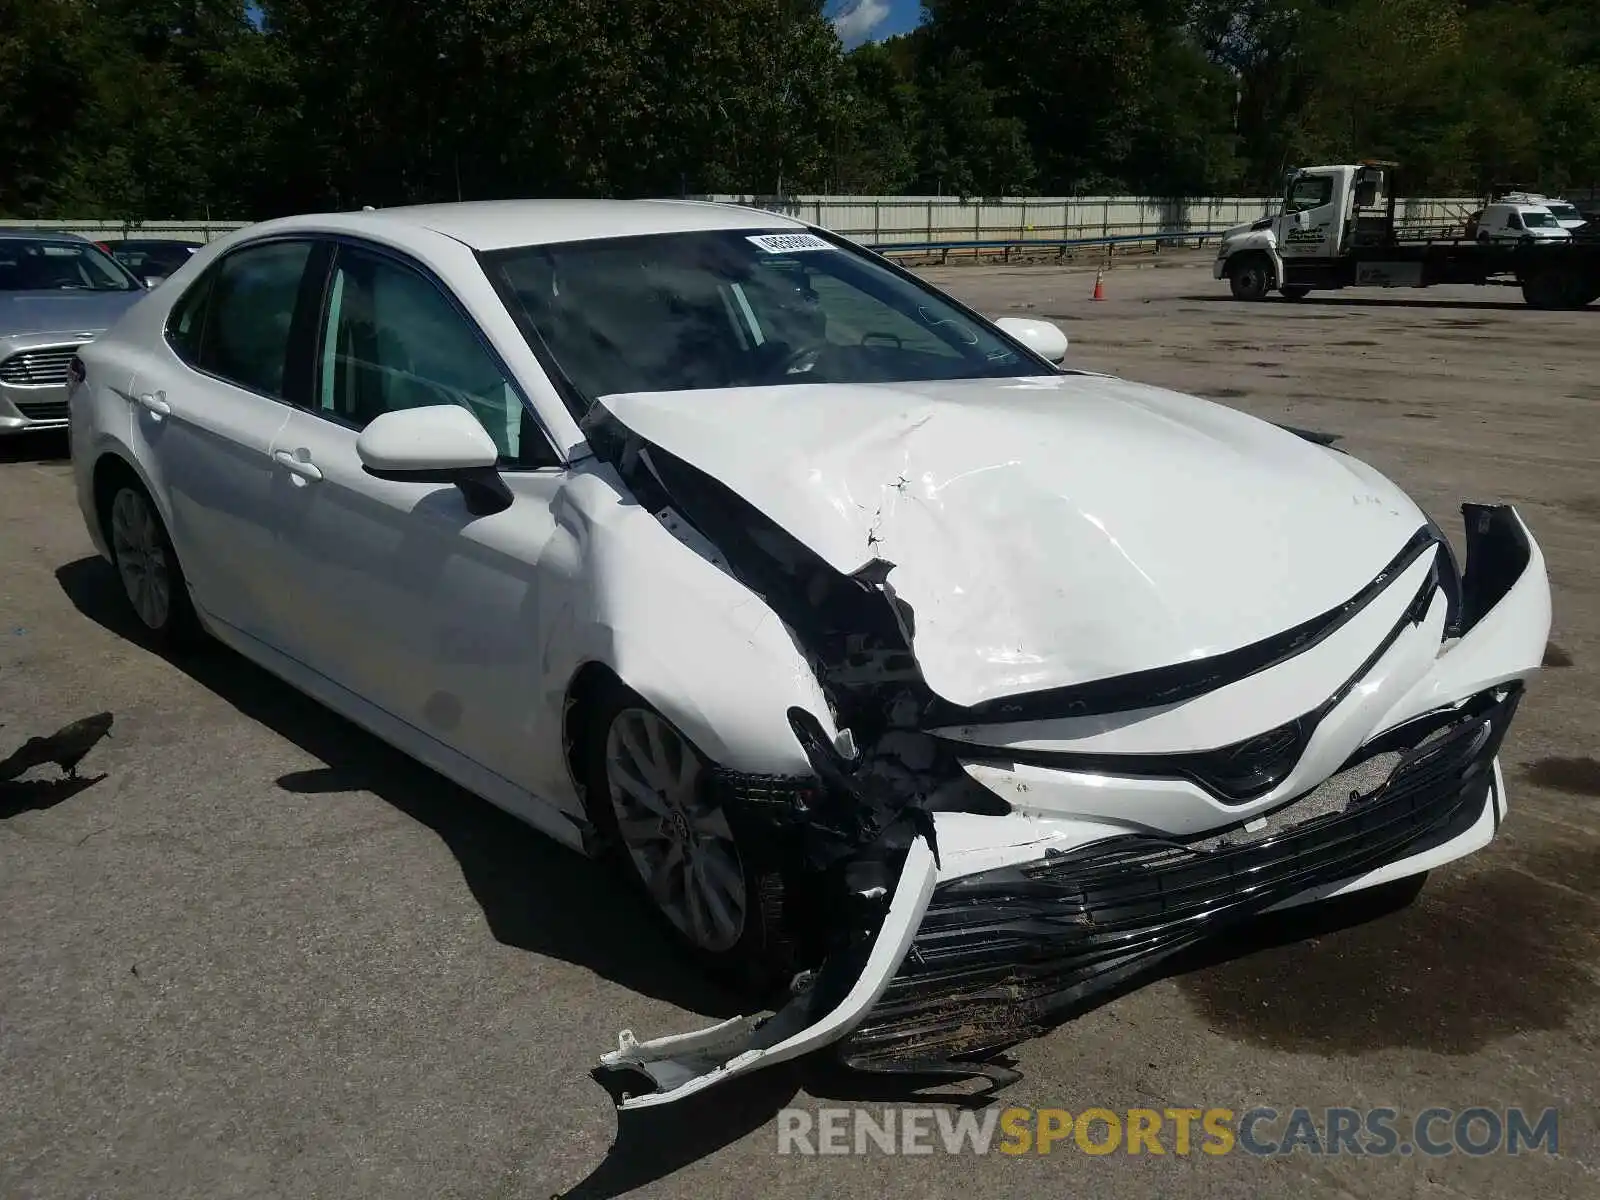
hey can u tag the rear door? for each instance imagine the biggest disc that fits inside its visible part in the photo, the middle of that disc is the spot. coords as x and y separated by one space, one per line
207 406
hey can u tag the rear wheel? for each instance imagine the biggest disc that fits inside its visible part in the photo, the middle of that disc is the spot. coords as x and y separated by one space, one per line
1556 287
1250 277
1294 293
152 581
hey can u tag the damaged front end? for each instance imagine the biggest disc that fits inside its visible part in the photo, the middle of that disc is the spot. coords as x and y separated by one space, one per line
960 878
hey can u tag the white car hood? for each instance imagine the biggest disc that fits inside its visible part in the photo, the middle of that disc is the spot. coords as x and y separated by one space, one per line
1048 531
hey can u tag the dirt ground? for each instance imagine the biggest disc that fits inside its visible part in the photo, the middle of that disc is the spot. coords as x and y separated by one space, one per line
263 955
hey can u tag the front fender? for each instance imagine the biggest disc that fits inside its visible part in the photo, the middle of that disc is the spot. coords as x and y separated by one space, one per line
645 597
1260 241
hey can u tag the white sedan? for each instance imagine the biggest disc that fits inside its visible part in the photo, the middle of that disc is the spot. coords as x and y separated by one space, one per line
926 685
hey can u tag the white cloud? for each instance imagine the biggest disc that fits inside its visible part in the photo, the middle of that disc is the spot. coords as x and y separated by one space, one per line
858 19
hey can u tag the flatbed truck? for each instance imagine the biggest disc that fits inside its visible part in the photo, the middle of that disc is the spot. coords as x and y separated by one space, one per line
1337 229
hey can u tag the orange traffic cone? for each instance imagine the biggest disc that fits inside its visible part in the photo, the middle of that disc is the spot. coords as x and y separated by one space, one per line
1099 285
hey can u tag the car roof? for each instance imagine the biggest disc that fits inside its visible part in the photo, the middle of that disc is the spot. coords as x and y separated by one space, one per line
498 224
39 235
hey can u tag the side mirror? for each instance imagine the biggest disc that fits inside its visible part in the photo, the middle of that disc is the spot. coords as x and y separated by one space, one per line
1044 338
441 443
151 281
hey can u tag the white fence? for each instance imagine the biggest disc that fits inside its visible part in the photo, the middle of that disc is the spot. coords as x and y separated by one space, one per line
910 220
188 231
890 220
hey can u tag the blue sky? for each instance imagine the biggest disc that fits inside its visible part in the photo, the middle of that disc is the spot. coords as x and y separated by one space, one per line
872 20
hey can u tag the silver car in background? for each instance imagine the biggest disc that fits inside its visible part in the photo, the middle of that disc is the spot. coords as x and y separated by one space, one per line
57 291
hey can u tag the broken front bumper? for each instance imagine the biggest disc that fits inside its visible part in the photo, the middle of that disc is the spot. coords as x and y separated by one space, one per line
1004 954
1032 916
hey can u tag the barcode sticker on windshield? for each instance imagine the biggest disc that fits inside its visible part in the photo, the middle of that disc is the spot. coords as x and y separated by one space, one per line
788 243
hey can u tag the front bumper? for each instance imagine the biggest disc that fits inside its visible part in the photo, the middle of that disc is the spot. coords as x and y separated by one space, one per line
24 409
1004 954
33 382
1011 923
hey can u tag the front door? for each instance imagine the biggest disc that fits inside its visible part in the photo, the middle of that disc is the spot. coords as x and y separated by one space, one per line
404 597
1310 223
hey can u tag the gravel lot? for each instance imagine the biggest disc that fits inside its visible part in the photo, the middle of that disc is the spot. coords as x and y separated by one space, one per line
263 955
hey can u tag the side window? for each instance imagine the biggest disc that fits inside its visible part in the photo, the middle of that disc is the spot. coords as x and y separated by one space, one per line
1309 193
235 322
391 340
187 321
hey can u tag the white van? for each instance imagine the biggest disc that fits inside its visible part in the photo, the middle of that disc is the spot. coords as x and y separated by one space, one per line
1518 221
1567 215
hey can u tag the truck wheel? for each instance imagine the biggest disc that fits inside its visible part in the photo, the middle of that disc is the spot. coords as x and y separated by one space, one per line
1556 287
1294 293
1250 278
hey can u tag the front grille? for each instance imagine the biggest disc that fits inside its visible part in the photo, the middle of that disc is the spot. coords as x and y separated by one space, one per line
47 365
43 410
1002 955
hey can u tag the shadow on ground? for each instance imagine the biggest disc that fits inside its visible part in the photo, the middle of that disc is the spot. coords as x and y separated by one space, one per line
530 888
1484 955
1336 301
35 795
50 446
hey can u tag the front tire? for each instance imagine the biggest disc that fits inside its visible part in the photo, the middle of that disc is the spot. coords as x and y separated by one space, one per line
1250 278
1296 292
650 796
147 567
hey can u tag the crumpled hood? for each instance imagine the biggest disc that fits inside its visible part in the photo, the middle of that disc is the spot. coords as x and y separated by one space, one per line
63 312
1048 531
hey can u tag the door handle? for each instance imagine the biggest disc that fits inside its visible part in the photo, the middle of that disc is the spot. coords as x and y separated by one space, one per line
156 402
302 467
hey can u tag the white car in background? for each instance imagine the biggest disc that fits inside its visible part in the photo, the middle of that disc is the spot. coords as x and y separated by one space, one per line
936 684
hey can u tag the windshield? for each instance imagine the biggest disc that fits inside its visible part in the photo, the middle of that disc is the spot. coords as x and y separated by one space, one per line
1564 212
38 265
1539 220
692 311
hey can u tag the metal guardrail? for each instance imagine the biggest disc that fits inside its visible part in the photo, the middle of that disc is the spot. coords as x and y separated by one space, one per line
1006 246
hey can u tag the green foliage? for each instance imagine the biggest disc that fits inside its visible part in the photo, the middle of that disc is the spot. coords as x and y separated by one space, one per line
178 108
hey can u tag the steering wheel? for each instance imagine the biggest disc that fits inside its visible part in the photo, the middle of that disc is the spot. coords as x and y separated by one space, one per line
801 360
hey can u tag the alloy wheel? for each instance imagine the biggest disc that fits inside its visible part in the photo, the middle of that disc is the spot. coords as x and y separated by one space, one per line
679 839
140 551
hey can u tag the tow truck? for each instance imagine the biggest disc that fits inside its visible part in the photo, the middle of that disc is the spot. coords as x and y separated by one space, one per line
1337 229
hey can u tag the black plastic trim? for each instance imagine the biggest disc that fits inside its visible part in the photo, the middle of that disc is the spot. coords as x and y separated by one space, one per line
1497 555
